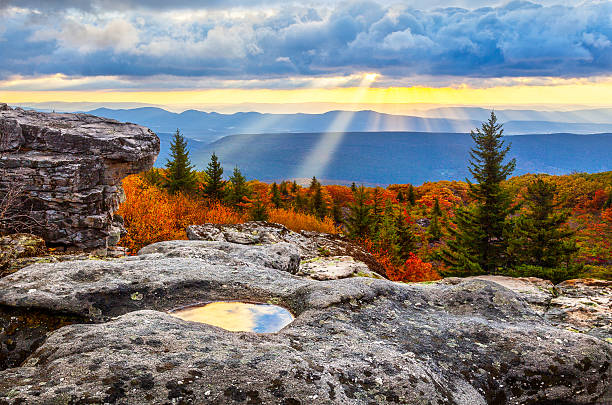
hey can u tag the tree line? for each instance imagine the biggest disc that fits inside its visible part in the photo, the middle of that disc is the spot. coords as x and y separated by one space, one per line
492 234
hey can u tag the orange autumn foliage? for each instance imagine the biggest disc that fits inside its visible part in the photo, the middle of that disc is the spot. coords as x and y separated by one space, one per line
152 215
298 221
414 270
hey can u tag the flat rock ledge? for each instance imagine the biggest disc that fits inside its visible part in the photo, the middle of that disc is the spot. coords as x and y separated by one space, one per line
105 336
66 170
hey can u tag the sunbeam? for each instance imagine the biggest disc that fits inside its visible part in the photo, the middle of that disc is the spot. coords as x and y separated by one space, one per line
318 160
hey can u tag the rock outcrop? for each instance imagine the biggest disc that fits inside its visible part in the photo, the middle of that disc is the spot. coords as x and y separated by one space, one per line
581 306
66 170
356 340
311 246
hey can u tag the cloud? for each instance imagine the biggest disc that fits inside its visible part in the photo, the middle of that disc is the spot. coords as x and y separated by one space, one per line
246 40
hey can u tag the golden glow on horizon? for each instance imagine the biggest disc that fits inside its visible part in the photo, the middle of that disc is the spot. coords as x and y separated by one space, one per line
590 93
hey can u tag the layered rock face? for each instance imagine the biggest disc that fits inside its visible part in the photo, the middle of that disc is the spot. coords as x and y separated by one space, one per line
66 169
355 340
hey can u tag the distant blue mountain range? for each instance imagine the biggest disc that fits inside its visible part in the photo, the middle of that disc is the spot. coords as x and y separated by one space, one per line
208 127
399 157
274 147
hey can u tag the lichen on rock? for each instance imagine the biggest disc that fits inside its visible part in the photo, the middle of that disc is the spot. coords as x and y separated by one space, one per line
353 341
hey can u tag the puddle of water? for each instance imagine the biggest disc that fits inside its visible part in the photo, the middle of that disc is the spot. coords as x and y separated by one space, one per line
238 316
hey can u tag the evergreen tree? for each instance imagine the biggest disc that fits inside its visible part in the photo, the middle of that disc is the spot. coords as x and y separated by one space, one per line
377 207
411 196
386 237
317 203
434 230
353 188
179 171
359 220
436 210
215 187
337 212
405 238
275 196
294 187
539 237
478 245
258 210
608 203
238 189
284 190
400 197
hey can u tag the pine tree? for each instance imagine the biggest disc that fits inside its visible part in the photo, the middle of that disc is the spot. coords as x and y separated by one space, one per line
180 176
275 196
284 190
359 220
377 206
405 238
258 210
608 203
478 245
400 197
238 189
294 187
215 187
411 196
353 188
317 203
337 212
434 230
539 237
386 237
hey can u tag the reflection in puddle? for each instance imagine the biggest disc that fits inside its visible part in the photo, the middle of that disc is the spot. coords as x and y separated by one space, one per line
239 316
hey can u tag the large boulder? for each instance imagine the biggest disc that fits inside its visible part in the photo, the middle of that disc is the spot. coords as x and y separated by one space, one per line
581 305
353 341
66 171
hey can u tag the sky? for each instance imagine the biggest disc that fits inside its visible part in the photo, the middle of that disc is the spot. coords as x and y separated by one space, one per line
308 56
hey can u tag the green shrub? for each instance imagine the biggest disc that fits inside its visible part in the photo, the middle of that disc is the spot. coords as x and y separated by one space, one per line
601 272
556 275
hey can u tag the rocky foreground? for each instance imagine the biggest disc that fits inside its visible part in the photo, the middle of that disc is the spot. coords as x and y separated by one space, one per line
64 171
355 340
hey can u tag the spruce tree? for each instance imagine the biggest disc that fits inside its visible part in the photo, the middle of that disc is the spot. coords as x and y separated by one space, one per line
405 238
386 237
411 196
479 245
359 221
400 197
317 203
258 210
378 205
238 189
215 187
608 203
275 196
434 230
180 176
353 188
539 237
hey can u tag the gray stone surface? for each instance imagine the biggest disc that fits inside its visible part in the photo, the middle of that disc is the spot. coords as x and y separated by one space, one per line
310 245
68 168
333 268
582 305
354 341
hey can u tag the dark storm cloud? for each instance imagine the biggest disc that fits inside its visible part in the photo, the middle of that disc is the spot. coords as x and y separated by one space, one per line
517 39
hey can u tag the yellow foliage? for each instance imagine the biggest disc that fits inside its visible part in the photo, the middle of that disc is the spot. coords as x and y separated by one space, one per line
297 221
